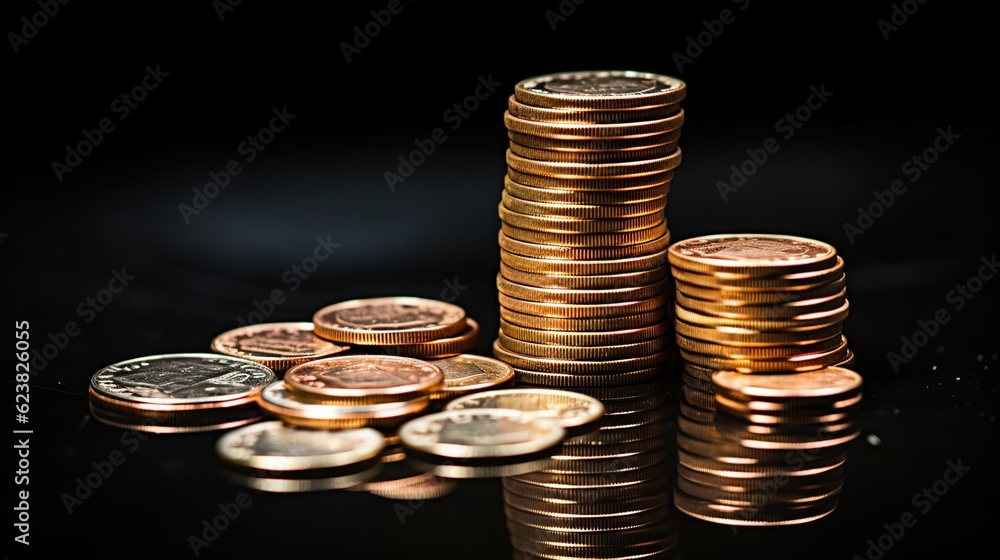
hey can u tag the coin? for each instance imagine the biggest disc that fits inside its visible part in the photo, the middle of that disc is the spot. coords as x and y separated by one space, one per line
751 254
364 377
530 112
389 320
279 401
827 382
277 446
481 433
467 373
464 341
600 90
568 408
276 345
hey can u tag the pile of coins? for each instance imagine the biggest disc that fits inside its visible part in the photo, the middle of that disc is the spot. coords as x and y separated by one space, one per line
763 422
606 494
583 278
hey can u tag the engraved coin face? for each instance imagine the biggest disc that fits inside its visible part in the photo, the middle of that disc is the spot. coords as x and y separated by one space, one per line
182 379
390 320
568 408
277 446
612 89
480 433
276 343
466 372
364 376
826 382
751 250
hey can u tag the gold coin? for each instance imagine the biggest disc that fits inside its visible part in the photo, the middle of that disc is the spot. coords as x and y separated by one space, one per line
364 378
467 373
594 157
530 112
610 90
588 131
542 251
583 267
828 382
570 170
554 365
807 280
743 336
278 346
607 145
735 297
590 183
279 447
599 324
481 433
570 523
600 241
570 338
611 352
279 401
562 224
756 353
569 196
817 319
777 311
623 506
582 381
751 255
588 211
389 320
569 409
563 295
308 482
584 281
582 311
464 341
793 364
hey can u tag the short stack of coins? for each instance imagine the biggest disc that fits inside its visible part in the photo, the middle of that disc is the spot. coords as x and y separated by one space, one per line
583 278
606 494
756 307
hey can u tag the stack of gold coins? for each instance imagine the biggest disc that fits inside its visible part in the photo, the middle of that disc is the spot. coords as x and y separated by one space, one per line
467 373
278 346
583 278
399 326
353 391
606 494
179 392
755 305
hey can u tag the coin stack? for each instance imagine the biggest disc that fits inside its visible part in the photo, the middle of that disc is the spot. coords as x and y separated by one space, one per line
398 326
758 306
607 494
583 279
278 346
174 393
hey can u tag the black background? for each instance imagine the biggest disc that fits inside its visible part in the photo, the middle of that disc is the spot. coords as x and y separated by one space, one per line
323 177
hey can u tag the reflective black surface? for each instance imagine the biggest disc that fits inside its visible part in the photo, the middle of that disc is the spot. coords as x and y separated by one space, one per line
310 219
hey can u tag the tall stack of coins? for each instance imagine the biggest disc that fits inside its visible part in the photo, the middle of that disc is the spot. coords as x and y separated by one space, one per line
179 393
606 494
754 309
583 276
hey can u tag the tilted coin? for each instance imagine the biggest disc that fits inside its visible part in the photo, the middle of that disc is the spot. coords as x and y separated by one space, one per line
467 373
568 408
277 446
370 377
389 320
181 379
276 345
481 433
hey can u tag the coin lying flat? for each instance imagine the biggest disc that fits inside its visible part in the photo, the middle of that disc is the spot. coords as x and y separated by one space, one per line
277 446
276 345
277 400
568 408
752 254
364 377
467 373
389 321
481 433
827 382
599 90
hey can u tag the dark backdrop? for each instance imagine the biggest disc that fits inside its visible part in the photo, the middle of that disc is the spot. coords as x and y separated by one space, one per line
892 89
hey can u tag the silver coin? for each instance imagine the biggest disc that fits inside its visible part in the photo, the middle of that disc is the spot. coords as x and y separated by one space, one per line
481 433
568 408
